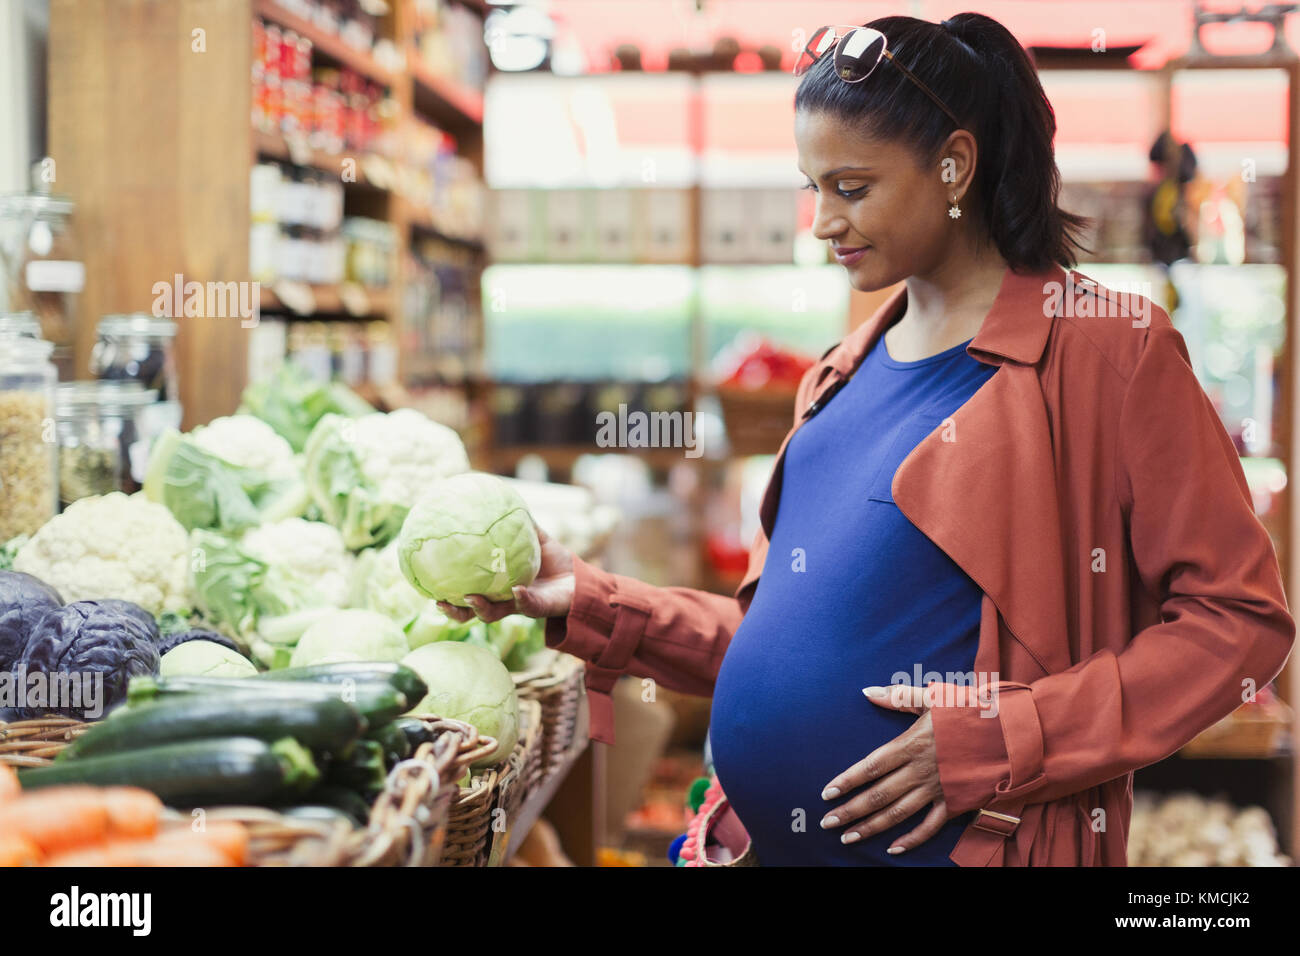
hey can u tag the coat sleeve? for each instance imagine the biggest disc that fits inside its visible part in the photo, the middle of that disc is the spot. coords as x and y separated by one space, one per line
1224 628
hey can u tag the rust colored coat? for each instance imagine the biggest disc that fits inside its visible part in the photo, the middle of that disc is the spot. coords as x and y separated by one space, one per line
1131 596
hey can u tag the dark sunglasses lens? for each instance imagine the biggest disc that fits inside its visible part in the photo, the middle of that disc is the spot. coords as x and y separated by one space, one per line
821 41
858 53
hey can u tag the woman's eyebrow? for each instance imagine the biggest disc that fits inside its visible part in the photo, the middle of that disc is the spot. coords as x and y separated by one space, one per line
842 169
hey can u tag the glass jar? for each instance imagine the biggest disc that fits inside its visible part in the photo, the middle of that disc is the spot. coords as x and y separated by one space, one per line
90 455
134 414
42 262
28 446
23 324
137 347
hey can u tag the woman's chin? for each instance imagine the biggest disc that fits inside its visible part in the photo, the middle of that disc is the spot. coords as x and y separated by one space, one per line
865 279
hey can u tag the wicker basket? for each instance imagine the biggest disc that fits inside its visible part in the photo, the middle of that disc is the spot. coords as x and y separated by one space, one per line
408 822
34 743
480 819
1251 731
756 420
557 685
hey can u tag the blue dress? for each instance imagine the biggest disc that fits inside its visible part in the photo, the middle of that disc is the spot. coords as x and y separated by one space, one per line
852 594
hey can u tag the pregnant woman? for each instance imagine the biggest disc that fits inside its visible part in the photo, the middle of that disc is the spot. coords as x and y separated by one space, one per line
1008 553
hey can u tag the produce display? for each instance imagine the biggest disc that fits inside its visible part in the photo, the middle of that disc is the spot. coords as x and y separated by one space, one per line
263 616
1186 829
296 739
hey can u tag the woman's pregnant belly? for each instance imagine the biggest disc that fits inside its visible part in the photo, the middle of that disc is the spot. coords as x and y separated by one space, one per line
789 713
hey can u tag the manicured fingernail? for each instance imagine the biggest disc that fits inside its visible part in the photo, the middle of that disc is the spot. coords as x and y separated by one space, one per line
895 850
830 793
875 692
851 837
829 822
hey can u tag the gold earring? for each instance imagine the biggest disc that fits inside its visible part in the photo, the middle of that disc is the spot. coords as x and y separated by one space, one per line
954 211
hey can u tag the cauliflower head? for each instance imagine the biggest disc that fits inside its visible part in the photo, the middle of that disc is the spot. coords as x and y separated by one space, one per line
113 546
249 442
402 452
311 552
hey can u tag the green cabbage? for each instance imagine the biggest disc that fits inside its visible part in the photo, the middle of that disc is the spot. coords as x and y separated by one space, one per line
471 684
350 635
293 402
378 585
204 659
469 534
203 490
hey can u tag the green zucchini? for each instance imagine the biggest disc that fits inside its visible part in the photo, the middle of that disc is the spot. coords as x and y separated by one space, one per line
394 742
363 771
416 730
379 702
401 677
325 724
239 770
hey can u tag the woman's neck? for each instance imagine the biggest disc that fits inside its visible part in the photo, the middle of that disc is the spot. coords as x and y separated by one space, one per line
947 306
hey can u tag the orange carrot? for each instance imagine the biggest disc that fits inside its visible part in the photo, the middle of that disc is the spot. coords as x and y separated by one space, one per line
17 850
132 812
58 818
154 852
229 837
9 788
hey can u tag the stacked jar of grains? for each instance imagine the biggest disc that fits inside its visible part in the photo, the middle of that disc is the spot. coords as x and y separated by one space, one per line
28 441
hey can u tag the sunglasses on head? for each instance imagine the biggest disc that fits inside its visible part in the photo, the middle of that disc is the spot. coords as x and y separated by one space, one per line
858 51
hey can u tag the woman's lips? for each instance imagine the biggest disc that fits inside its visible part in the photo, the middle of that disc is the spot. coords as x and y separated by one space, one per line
847 257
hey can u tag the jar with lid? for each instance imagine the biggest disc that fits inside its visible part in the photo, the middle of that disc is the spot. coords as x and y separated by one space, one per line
43 268
134 414
89 454
137 347
24 324
28 446
97 434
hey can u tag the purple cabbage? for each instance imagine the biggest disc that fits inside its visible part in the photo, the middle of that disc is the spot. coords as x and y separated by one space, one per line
107 638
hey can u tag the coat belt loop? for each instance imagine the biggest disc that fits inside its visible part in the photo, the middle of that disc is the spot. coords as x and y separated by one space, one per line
604 672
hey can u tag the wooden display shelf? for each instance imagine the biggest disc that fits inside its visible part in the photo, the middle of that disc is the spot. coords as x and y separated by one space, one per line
368 171
537 802
335 300
328 44
422 221
450 105
563 457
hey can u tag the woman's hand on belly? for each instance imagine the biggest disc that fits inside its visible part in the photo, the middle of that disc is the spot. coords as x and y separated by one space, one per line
901 779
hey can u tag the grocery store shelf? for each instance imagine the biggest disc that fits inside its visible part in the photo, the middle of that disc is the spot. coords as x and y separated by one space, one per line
445 102
346 299
369 171
506 457
324 42
423 222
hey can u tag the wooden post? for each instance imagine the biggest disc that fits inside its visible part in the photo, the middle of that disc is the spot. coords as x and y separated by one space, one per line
149 120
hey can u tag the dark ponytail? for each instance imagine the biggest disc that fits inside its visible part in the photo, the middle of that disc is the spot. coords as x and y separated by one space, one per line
975 66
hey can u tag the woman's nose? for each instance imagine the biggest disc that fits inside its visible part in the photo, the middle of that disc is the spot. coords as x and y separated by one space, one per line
827 224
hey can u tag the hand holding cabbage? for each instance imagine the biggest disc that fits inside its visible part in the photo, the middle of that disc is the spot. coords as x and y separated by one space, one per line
471 545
